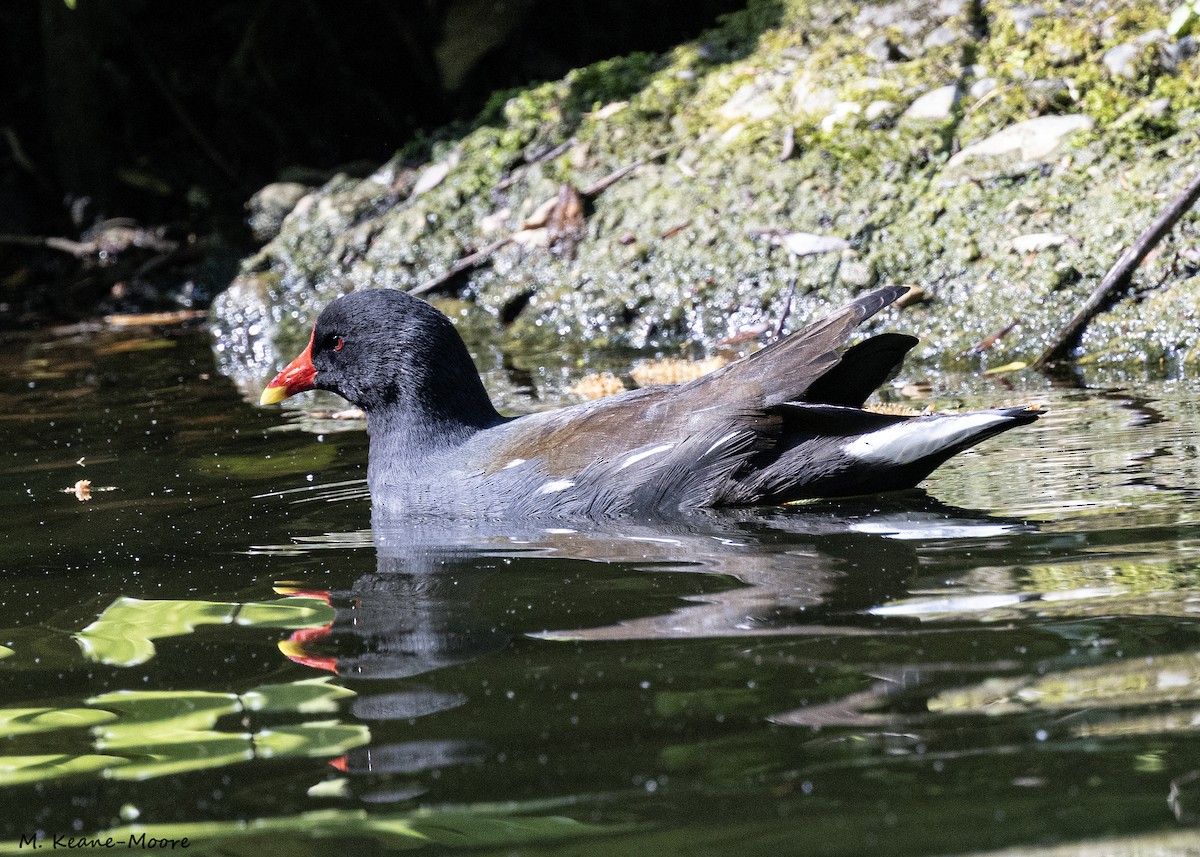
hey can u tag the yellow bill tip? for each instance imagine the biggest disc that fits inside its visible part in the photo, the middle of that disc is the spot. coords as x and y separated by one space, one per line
273 395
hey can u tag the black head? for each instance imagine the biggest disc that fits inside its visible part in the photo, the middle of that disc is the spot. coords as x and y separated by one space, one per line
384 350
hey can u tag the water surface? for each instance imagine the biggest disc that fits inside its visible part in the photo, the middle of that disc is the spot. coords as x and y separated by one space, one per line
216 646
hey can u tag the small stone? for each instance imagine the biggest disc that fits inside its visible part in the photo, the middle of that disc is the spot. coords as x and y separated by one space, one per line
1121 61
496 221
804 243
1049 95
856 274
939 37
811 99
882 49
842 112
935 105
949 9
982 87
878 109
807 244
1023 16
1183 19
1063 53
749 102
1024 206
271 205
1182 50
1157 108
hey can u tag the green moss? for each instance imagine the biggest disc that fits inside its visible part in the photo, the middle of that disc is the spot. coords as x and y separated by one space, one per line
668 253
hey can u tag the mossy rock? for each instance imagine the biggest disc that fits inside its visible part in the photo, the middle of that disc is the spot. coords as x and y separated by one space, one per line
765 126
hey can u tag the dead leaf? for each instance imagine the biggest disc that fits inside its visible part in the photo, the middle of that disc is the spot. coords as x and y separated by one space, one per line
789 144
154 318
125 346
431 177
1035 242
988 341
802 243
676 229
597 386
1015 366
914 295
565 225
674 371
610 109
540 215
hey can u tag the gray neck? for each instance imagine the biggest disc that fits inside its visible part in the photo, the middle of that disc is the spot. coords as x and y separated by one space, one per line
409 448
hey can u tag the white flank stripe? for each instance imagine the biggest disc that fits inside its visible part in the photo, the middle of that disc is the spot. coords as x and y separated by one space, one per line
514 463
638 456
907 442
721 441
556 485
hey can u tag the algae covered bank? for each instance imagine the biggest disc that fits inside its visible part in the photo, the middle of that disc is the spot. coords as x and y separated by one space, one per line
998 156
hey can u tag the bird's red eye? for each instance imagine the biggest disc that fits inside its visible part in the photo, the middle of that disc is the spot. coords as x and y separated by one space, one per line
338 342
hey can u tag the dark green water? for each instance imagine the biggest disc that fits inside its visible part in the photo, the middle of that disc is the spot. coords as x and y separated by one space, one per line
215 649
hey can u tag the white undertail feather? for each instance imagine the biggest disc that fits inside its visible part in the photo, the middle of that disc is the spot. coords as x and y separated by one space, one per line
907 442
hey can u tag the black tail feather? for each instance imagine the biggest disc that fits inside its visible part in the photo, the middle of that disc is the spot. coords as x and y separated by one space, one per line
861 371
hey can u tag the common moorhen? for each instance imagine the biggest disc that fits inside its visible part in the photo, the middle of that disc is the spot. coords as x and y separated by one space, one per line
784 423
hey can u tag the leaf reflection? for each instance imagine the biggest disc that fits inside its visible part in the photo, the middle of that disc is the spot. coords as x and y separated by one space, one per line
141 734
125 632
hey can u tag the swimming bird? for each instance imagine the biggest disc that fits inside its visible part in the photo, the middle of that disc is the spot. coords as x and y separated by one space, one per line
782 424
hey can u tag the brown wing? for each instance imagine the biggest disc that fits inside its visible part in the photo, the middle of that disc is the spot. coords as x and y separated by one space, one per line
570 439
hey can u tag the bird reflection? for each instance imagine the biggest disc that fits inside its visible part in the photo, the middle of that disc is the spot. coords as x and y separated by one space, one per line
445 597
794 570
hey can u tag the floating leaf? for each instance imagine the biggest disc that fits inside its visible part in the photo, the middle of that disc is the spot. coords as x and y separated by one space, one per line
328 738
123 635
291 613
148 716
312 457
125 632
197 752
31 769
27 721
337 787
481 827
310 696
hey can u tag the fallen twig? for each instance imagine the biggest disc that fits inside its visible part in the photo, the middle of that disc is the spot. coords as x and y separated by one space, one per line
1117 278
474 260
597 188
77 249
466 263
